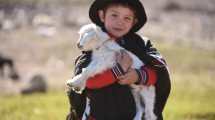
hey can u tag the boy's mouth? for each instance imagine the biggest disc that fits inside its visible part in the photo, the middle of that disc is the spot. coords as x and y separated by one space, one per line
118 29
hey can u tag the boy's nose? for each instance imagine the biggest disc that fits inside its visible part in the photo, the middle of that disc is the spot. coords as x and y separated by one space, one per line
120 21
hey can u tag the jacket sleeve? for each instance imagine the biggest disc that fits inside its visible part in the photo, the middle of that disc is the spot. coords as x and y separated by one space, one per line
101 80
106 78
147 76
154 62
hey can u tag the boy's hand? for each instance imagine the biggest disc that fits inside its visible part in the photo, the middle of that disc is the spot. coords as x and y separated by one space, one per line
124 60
128 78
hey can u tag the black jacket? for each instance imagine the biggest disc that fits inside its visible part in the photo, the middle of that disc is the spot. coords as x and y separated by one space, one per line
115 102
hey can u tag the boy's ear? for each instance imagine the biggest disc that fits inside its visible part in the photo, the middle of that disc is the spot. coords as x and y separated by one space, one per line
101 15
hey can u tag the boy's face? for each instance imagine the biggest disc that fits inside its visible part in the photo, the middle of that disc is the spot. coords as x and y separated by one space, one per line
118 20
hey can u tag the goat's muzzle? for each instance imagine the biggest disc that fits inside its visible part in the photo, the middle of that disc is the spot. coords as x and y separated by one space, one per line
79 46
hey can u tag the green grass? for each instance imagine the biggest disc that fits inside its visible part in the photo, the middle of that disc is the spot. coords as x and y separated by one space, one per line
51 106
192 69
190 106
192 96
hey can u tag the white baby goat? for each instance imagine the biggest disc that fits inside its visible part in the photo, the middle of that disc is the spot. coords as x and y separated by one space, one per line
104 51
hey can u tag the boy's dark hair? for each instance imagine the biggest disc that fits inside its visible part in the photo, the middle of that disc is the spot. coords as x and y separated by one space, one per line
135 5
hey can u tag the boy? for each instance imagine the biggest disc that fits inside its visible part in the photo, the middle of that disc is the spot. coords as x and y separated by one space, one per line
109 93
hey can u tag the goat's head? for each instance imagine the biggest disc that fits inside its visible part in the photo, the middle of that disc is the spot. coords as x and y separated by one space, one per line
91 37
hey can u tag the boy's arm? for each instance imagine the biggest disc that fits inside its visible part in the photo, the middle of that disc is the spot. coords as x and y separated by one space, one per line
106 78
154 58
148 74
101 80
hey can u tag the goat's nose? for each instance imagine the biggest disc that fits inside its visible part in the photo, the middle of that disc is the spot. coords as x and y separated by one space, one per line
79 46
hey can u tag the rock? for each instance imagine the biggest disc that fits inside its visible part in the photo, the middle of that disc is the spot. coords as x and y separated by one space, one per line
37 84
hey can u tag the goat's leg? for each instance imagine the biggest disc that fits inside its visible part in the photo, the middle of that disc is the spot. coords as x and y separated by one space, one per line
148 96
78 82
139 107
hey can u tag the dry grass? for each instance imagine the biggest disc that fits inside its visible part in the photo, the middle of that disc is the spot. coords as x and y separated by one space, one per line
53 57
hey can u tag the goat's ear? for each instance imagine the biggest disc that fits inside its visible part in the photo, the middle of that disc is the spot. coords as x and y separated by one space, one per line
80 32
80 35
83 29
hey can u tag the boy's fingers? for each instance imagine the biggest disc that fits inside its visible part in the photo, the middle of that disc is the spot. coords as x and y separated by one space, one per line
122 82
123 79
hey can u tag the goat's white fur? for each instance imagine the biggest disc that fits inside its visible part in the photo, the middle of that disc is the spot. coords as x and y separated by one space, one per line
103 58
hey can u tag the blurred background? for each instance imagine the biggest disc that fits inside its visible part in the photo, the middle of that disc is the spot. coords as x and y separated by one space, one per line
37 52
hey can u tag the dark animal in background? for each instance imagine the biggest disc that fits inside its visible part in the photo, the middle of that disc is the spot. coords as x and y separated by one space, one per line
8 62
37 84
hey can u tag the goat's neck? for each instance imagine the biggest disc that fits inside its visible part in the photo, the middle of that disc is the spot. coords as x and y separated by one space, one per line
108 46
112 45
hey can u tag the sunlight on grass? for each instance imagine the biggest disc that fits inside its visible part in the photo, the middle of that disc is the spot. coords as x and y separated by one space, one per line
51 106
183 104
192 69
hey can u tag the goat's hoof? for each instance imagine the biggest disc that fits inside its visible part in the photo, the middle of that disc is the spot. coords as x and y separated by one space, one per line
76 89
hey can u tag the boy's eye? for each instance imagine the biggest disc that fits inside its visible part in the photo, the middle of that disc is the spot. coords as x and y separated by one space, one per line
114 15
128 18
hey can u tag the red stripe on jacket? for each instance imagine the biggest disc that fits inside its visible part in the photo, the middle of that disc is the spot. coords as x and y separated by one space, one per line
107 78
101 80
151 78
